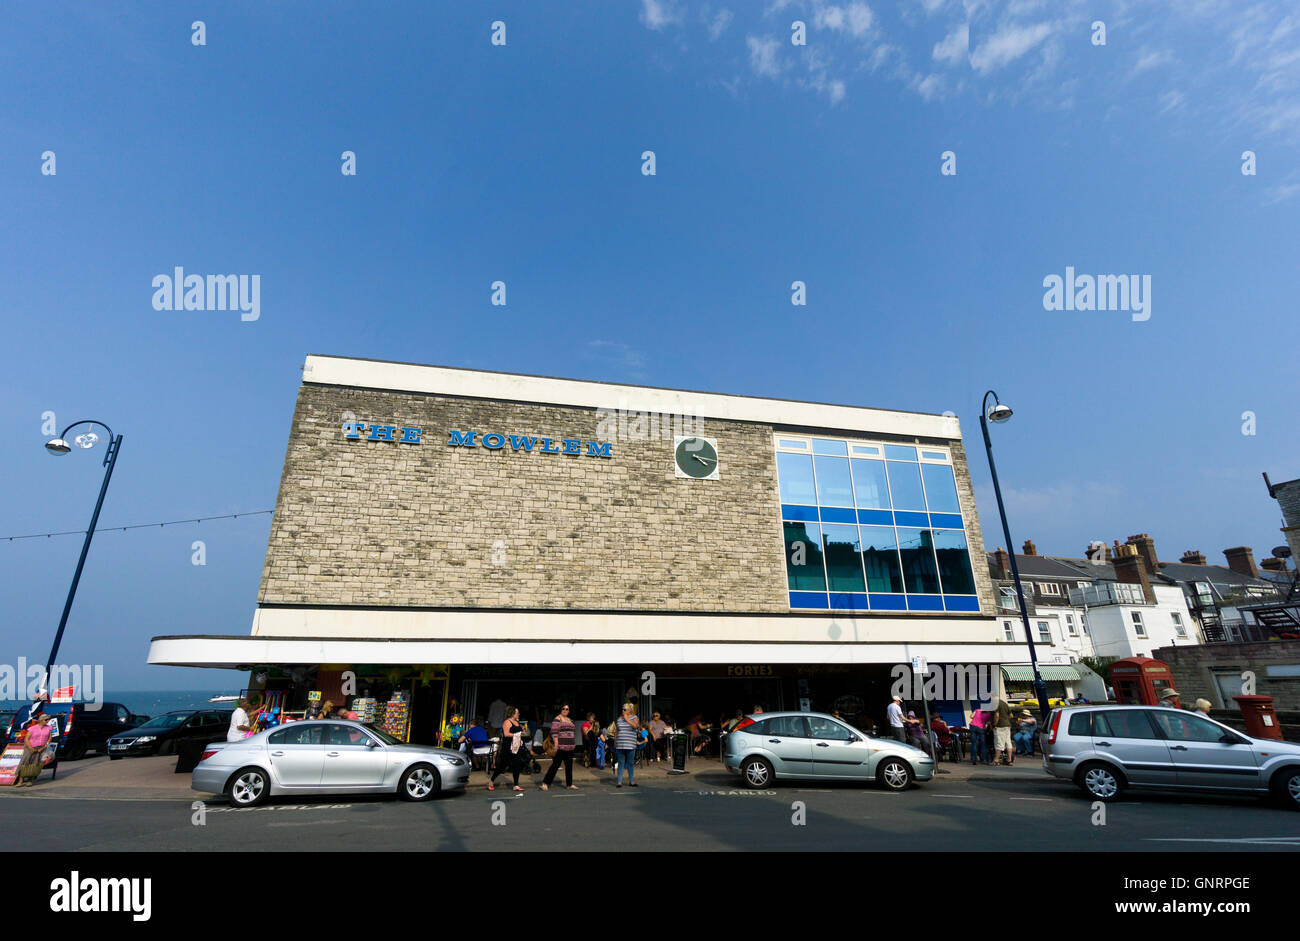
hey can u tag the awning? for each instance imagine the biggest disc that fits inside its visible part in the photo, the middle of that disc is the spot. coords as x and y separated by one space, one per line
1052 674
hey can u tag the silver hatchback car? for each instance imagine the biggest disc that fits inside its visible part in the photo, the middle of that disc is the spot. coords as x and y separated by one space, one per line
326 757
1107 749
780 745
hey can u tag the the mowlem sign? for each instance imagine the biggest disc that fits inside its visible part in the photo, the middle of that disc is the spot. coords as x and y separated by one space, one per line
492 440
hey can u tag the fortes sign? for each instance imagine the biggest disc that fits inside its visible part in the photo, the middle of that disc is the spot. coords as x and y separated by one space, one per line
493 441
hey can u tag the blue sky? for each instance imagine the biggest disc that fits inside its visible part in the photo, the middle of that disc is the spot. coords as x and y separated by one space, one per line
775 163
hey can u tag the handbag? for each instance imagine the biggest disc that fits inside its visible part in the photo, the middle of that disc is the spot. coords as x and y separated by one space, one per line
548 746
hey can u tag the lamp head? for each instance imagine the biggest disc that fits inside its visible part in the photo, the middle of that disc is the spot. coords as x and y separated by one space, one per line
58 446
999 413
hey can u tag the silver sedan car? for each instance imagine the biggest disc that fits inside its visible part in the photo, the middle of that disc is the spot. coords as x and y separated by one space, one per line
326 757
779 745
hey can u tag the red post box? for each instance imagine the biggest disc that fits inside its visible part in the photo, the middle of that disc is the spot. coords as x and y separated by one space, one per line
1139 681
1261 720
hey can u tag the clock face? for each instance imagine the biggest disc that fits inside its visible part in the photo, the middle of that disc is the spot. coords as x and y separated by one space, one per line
696 457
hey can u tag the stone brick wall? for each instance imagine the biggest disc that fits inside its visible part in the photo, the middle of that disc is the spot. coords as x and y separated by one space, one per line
1193 669
362 522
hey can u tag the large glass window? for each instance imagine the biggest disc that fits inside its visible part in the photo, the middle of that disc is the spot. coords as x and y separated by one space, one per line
940 488
905 485
954 562
843 557
796 473
880 557
834 488
870 485
803 557
916 550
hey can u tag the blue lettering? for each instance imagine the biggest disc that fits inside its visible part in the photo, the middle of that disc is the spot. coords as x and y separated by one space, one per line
501 441
410 436
603 450
353 429
462 441
546 447
572 447
526 443
382 432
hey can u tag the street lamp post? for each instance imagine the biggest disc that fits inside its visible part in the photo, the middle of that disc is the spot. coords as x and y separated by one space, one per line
998 414
59 446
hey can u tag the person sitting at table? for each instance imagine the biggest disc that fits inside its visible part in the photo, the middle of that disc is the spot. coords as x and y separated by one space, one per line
1024 736
698 732
915 731
941 731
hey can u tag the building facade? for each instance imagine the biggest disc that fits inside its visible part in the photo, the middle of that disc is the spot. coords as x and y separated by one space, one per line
496 537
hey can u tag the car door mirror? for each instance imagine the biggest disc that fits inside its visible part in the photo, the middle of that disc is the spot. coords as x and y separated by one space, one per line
371 743
1230 738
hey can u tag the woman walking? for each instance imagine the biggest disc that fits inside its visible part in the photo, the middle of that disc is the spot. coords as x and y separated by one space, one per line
590 732
979 749
38 736
625 732
512 752
562 734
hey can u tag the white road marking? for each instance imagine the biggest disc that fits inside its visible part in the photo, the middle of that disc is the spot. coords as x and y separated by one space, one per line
1031 798
1251 840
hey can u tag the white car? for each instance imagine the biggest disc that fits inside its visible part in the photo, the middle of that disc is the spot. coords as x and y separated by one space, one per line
326 757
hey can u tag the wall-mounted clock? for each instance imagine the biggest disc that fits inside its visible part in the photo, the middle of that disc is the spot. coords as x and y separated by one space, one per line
696 457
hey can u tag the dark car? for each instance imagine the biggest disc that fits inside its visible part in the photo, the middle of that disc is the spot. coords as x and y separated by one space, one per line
83 726
162 734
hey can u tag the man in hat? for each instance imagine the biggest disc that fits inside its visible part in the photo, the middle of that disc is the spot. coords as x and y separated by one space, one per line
1024 737
1169 698
895 715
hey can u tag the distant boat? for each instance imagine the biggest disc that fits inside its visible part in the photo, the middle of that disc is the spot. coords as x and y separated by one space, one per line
224 699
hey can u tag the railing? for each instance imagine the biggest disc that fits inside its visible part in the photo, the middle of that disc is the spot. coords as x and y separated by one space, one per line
1107 593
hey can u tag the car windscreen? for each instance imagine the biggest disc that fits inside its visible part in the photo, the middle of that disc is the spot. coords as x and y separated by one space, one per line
170 721
383 736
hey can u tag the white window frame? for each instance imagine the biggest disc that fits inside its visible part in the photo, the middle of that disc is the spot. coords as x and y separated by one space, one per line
1044 627
1180 629
1070 627
1139 628
1050 588
1008 631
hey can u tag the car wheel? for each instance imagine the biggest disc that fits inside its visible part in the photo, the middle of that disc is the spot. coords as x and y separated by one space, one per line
894 774
420 783
248 787
1286 787
76 751
1100 782
757 773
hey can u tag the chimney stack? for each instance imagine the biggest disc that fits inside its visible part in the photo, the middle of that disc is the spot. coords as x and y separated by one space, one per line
1242 560
1003 562
1146 547
1029 547
1193 557
1131 569
1272 564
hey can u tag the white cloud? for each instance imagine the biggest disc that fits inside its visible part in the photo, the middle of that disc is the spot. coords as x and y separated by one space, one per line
954 47
657 14
1171 100
930 87
763 58
1150 58
719 24
1007 45
856 19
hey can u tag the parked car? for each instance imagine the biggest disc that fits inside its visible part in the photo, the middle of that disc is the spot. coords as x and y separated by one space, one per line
1108 749
83 726
326 757
162 734
778 746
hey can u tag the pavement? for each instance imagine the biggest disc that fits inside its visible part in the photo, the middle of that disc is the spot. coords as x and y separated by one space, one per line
154 778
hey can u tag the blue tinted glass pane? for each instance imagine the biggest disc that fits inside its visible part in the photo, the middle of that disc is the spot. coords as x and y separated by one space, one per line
807 599
865 449
847 602
881 517
916 549
793 444
839 514
880 557
909 518
869 484
834 487
968 603
888 603
934 455
843 557
803 557
945 520
796 473
823 446
924 603
905 485
940 488
790 511
954 562
898 452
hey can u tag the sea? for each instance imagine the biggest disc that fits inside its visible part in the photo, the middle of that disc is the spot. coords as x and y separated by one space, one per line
152 702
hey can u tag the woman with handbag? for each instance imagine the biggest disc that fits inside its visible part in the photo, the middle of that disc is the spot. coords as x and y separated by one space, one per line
513 753
561 743
38 736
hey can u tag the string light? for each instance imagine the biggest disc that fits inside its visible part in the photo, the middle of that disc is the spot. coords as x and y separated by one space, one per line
113 529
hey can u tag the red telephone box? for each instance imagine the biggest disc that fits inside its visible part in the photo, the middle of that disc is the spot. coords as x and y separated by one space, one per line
1139 681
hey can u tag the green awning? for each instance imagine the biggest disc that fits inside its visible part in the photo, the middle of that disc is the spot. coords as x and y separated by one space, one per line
1054 674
